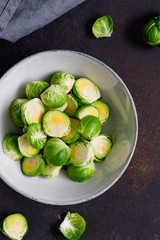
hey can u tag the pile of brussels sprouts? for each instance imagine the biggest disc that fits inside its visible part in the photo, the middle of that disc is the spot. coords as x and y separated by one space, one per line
61 125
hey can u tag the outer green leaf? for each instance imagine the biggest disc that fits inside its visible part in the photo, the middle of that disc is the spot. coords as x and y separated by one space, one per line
16 112
35 136
34 89
103 27
63 79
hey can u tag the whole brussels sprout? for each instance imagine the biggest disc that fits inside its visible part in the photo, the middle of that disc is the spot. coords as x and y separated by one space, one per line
81 174
25 148
103 27
34 89
73 135
151 31
56 152
103 110
72 105
51 171
86 110
16 112
63 79
36 136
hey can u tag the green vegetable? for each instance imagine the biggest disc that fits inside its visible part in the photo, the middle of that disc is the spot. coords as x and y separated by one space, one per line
51 171
33 166
101 147
73 226
85 91
25 148
151 31
10 146
86 110
54 96
103 27
56 152
24 130
60 109
89 127
34 89
72 105
35 136
63 79
56 124
81 174
14 226
32 111
103 110
16 112
81 153
73 135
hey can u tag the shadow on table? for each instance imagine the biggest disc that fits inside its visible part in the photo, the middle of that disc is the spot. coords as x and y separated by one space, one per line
89 25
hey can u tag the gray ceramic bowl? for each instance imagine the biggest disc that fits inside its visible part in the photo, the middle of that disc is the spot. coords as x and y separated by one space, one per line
122 124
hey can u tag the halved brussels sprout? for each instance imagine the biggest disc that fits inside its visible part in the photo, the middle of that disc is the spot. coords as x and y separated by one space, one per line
73 226
81 174
56 152
59 109
25 148
32 111
56 124
16 112
10 146
103 109
151 31
72 105
33 166
81 153
86 110
103 27
73 135
85 91
54 96
35 136
14 226
89 127
51 171
101 147
34 89
63 79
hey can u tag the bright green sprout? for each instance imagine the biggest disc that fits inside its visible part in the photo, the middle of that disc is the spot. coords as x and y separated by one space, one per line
73 135
51 171
63 79
34 89
35 136
16 112
59 109
72 105
86 110
103 110
103 27
151 31
25 148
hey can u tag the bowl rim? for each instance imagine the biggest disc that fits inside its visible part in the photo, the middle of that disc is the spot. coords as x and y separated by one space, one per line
100 192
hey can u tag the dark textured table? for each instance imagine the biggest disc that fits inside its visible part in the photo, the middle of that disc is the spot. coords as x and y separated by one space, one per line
130 210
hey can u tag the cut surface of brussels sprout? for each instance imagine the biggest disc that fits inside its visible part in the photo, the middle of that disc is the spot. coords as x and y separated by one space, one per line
14 226
54 96
73 226
32 111
59 109
51 171
16 112
56 124
25 148
34 89
81 174
33 166
103 110
101 147
151 31
81 153
56 152
35 136
73 135
10 146
85 91
103 27
63 79
72 105
89 127
86 110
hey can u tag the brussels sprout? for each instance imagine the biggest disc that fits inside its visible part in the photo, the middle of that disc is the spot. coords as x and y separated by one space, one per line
103 109
81 174
72 226
81 153
24 130
89 127
33 166
34 89
85 91
59 109
101 147
63 79
56 124
151 31
32 111
51 171
72 105
25 148
35 136
10 146
54 96
14 226
56 152
16 112
86 110
103 27
73 135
